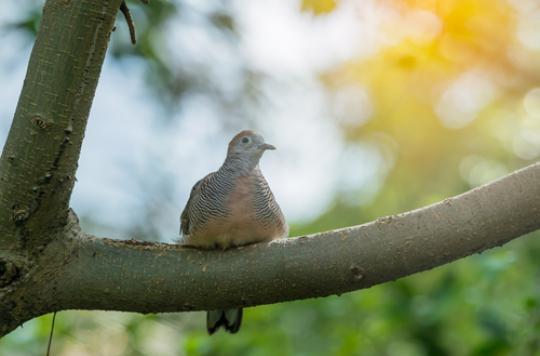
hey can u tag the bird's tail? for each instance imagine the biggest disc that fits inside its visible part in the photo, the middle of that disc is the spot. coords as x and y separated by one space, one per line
230 319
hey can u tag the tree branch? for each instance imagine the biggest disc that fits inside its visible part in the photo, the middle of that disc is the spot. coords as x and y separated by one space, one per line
96 273
158 277
39 159
40 156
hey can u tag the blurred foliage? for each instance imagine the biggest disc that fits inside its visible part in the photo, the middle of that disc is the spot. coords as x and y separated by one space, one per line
318 7
443 56
29 24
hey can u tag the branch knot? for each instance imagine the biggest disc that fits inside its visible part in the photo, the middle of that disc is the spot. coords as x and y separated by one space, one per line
8 273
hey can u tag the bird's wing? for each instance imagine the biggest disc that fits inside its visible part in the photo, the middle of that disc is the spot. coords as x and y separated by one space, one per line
184 217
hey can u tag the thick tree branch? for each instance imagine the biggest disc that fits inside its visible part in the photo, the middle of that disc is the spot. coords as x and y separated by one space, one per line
39 159
40 156
159 277
95 273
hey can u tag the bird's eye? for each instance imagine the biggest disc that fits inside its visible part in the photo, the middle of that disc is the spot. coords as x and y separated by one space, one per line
245 140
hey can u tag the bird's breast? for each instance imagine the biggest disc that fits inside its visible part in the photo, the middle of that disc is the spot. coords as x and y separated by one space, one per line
241 226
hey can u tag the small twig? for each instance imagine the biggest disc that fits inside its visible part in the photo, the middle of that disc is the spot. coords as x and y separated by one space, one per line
51 335
127 14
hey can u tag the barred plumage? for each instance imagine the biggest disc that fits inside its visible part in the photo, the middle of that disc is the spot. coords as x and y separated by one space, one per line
231 207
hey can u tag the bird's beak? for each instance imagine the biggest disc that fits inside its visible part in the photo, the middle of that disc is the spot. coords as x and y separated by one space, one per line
266 146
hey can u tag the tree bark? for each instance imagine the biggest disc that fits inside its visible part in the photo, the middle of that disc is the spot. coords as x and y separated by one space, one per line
39 159
48 264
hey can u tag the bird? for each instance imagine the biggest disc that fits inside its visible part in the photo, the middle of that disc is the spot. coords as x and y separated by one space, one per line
233 207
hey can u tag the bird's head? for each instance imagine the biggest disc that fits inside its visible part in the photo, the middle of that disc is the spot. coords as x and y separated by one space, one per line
248 146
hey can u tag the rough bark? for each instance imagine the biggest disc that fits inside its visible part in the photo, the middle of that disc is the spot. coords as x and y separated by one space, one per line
40 155
39 159
48 264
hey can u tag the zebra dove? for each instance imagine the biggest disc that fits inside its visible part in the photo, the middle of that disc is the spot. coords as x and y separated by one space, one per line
231 207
